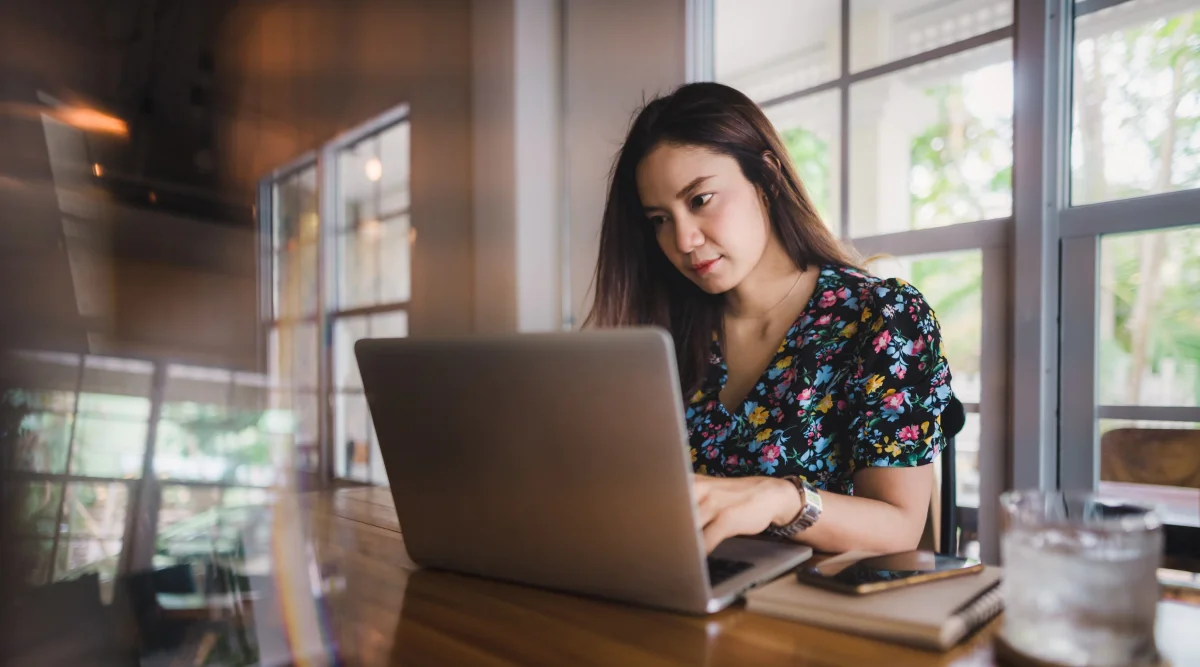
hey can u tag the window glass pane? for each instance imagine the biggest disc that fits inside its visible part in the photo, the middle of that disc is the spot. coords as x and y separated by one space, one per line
952 284
966 462
768 48
96 510
396 237
1136 101
295 234
346 331
107 447
359 264
882 31
43 443
373 235
394 181
811 130
390 325
293 355
1149 318
352 437
1156 463
931 145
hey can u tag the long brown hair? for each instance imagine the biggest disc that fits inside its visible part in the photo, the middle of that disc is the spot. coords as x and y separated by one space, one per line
635 284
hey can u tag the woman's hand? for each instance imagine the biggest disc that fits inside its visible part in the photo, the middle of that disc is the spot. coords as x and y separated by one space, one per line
743 506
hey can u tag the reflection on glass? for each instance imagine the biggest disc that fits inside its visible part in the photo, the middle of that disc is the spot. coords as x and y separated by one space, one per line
767 48
1136 101
882 31
931 145
116 388
1153 463
198 523
43 443
1149 318
294 242
952 284
108 447
39 511
77 557
96 510
811 129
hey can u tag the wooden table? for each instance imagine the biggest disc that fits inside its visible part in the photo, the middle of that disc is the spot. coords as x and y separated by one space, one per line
379 609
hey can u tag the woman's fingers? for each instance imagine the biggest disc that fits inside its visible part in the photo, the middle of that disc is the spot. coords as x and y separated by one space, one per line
716 531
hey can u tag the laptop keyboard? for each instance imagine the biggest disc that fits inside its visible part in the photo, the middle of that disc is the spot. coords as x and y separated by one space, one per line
720 569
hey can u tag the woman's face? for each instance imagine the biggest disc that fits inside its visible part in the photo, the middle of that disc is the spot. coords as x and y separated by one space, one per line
710 221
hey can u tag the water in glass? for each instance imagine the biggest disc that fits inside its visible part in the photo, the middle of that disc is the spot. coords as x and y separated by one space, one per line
1080 583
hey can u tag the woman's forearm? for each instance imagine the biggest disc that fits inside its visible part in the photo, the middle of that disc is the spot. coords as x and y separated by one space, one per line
861 523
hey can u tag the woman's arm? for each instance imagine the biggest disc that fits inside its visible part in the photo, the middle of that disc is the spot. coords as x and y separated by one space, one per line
887 513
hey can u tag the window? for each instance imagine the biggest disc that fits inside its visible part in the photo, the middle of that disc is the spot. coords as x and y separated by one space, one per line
1131 260
883 31
372 238
771 48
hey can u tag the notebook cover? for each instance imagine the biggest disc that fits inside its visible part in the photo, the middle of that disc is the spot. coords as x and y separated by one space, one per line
937 614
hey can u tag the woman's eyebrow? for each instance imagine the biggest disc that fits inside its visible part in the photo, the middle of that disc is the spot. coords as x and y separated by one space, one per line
690 186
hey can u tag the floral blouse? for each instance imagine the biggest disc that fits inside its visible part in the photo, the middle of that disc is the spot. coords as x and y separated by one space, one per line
858 381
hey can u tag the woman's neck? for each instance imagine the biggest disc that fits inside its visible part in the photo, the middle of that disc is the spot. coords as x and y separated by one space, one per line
769 286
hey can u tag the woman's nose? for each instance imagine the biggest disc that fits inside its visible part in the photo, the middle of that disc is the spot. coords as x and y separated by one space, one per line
688 236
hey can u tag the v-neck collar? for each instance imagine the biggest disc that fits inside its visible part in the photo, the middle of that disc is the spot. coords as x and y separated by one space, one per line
794 333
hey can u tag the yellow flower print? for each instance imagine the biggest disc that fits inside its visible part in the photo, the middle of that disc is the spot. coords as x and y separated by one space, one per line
893 449
759 416
703 470
866 315
784 363
825 403
849 330
693 454
874 383
698 396
782 347
763 434
925 427
877 324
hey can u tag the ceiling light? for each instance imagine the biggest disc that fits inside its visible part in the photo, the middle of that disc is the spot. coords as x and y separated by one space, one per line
97 170
374 169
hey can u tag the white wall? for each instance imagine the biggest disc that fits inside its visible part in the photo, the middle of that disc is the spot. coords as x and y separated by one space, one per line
618 54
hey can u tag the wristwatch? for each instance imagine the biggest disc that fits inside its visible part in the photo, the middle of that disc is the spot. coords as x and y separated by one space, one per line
810 509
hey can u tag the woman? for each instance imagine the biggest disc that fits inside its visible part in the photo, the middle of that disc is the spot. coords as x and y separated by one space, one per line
815 389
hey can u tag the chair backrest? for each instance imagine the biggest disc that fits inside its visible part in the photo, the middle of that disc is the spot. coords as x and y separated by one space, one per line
941 527
1163 456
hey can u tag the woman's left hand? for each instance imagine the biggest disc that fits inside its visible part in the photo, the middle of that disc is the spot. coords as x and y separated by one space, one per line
742 506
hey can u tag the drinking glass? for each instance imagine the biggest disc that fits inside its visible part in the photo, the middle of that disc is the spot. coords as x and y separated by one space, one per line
1080 578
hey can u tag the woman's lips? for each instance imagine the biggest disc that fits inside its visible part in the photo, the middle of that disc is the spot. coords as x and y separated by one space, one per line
704 268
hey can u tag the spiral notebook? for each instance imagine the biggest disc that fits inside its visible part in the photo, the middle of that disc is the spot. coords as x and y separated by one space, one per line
935 615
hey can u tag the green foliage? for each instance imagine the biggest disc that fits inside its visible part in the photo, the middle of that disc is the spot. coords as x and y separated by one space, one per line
810 154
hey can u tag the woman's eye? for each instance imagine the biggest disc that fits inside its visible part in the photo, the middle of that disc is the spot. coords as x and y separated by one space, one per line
657 220
701 200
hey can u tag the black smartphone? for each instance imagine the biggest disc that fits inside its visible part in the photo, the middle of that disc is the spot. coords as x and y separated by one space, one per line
871 574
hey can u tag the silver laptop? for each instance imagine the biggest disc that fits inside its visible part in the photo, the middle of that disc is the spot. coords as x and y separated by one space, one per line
554 460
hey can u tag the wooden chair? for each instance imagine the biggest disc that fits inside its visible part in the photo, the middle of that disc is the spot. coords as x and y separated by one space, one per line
1162 456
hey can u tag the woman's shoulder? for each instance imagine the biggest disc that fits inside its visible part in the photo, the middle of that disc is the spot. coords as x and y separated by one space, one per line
872 291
